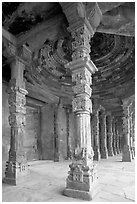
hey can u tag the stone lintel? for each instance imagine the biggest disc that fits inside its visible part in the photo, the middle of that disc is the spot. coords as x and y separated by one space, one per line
82 63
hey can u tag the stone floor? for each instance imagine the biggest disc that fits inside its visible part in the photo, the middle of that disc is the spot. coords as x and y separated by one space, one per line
47 181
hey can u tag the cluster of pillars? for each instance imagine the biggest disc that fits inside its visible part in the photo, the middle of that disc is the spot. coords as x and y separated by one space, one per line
82 177
106 134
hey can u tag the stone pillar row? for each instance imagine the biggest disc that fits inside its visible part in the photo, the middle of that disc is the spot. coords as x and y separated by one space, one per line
106 135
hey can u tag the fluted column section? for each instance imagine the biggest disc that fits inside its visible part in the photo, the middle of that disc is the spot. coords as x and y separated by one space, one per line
110 135
126 151
16 165
104 152
117 137
114 136
95 125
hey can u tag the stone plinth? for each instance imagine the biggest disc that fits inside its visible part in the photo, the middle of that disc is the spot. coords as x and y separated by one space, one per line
82 182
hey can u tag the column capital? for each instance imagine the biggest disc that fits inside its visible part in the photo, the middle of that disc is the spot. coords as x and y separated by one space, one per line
82 63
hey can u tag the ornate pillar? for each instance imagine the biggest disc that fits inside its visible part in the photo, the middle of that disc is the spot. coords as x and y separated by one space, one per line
126 151
114 136
16 166
110 135
81 181
103 134
95 125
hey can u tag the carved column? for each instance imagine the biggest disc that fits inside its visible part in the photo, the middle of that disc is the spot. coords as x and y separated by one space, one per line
114 136
126 151
81 182
16 165
110 135
95 125
103 134
117 137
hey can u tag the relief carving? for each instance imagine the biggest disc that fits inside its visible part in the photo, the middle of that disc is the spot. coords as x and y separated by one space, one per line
82 88
82 103
82 77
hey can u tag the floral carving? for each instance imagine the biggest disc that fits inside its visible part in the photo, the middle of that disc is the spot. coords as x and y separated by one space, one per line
82 77
82 104
82 88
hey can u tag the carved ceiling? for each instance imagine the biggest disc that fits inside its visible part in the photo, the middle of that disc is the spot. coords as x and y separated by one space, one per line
42 27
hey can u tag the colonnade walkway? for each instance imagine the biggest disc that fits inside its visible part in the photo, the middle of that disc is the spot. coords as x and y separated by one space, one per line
47 180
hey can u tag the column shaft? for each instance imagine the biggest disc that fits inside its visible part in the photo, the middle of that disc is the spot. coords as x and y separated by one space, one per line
110 135
95 125
126 151
104 152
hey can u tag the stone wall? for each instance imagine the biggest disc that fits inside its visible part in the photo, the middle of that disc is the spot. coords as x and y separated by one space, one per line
47 132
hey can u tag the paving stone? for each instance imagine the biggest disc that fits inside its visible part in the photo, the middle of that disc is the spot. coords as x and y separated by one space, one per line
47 181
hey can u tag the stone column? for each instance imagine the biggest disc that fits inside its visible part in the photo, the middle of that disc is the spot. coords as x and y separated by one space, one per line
117 137
69 152
126 151
16 166
120 132
95 125
82 178
114 137
110 135
103 134
133 133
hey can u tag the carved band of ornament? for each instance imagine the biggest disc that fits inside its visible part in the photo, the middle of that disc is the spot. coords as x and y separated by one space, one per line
82 77
17 120
82 88
83 154
17 98
82 43
82 104
81 32
79 54
17 109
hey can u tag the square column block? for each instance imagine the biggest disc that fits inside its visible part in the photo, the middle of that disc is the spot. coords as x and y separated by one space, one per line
82 182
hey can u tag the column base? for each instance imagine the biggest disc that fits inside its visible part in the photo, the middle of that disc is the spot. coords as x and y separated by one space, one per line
15 174
104 153
83 195
82 182
126 154
114 151
110 153
118 152
132 153
97 155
